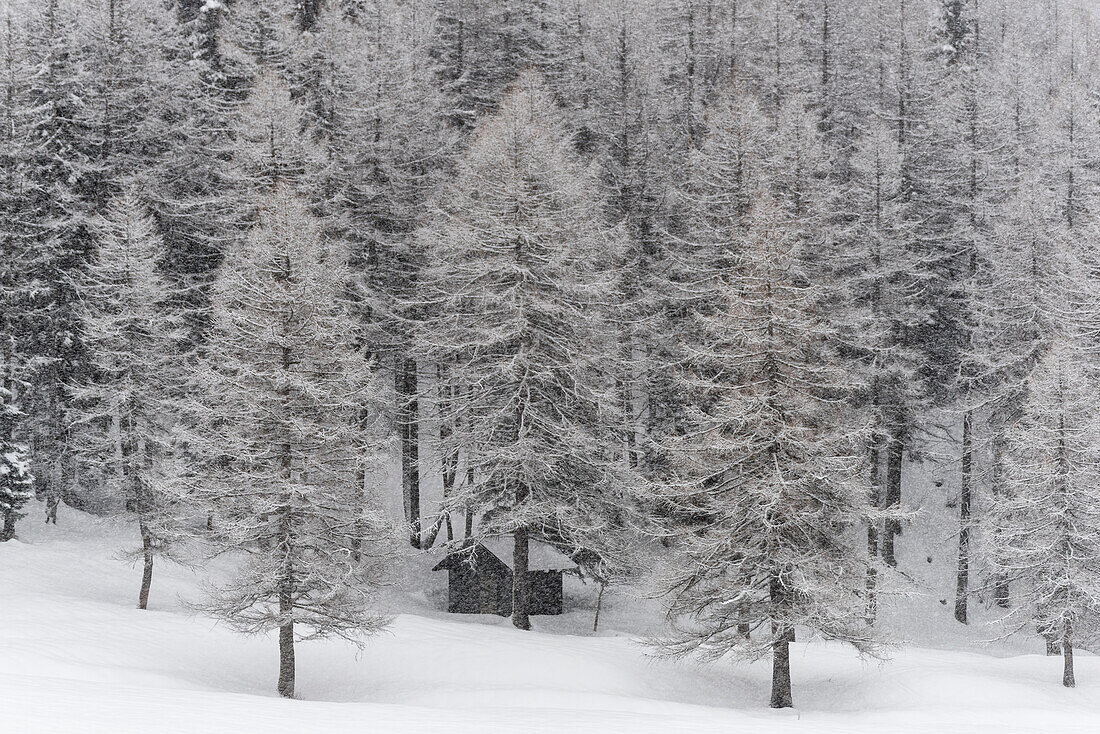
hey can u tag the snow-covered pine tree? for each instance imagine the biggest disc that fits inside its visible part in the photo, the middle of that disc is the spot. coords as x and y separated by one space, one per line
482 46
277 429
878 305
624 124
16 481
1033 277
255 37
123 412
770 468
518 294
271 146
375 107
54 216
1046 535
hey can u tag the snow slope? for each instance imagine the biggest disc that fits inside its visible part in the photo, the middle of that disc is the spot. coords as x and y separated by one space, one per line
75 656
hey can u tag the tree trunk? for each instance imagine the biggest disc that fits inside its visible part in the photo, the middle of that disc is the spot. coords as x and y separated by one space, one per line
781 649
1001 591
895 453
1067 660
872 529
962 581
408 417
781 671
599 606
10 516
520 617
147 558
286 649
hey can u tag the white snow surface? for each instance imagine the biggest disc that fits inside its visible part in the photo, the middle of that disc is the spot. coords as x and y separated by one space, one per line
76 656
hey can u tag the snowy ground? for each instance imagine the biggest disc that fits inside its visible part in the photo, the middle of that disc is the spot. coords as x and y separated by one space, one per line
75 656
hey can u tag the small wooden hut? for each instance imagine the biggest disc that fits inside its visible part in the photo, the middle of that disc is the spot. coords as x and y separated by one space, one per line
479 581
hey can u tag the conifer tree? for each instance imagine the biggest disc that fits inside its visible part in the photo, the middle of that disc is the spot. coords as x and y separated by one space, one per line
374 105
123 413
281 445
517 290
55 212
1046 523
769 469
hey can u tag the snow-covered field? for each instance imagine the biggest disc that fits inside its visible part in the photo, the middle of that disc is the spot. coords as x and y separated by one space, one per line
76 656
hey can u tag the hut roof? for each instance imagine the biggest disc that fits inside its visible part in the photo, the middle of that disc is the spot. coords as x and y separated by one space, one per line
494 551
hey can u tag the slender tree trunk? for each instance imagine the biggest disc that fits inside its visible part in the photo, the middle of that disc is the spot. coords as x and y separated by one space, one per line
468 530
895 453
1001 591
147 559
286 646
962 581
599 606
1067 659
781 652
520 617
872 528
408 422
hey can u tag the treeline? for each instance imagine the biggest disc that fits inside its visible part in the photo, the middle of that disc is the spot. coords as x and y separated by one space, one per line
677 280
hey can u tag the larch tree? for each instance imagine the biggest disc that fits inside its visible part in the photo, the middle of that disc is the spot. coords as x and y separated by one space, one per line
1046 539
376 110
123 412
276 425
57 172
770 469
518 295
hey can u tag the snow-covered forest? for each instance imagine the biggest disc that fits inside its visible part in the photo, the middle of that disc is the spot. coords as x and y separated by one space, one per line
754 325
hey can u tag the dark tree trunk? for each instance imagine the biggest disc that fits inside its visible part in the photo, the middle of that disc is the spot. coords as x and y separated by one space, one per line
1001 591
599 606
781 650
408 424
286 647
895 453
520 617
449 461
147 559
781 671
9 525
307 12
1067 660
962 581
872 529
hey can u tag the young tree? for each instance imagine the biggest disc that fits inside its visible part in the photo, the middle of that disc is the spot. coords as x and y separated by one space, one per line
1046 525
769 468
517 290
278 431
124 410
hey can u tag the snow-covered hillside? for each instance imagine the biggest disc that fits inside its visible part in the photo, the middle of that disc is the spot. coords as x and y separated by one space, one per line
76 656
